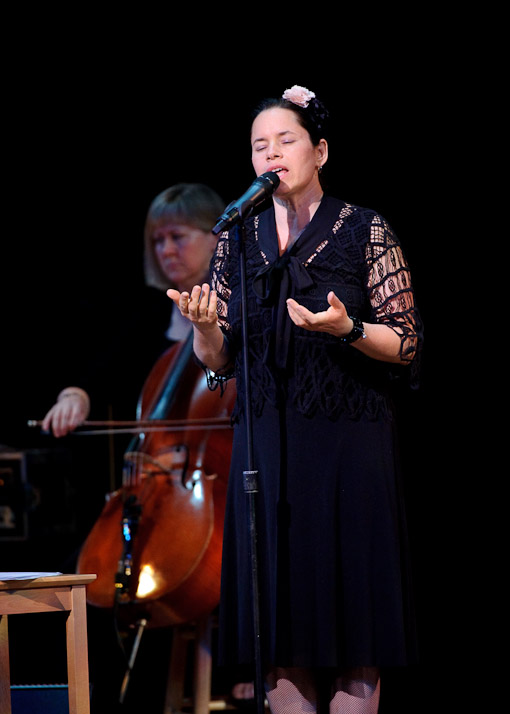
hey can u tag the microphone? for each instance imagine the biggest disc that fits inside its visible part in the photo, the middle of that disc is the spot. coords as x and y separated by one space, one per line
261 188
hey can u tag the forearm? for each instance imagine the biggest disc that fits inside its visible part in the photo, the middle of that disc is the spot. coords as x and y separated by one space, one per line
211 348
381 343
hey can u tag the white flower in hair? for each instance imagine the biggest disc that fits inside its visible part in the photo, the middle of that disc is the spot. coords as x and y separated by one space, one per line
298 95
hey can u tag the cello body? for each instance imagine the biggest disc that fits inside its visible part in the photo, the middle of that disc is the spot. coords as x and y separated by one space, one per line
156 546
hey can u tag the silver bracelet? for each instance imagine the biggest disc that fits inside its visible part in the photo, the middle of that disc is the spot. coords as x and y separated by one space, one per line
71 393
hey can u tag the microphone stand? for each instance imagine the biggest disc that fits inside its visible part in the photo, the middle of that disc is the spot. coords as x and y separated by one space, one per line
250 476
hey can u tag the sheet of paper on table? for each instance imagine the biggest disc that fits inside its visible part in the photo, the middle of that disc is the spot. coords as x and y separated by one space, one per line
25 575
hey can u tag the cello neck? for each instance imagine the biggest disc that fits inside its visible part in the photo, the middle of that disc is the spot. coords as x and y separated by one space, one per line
163 401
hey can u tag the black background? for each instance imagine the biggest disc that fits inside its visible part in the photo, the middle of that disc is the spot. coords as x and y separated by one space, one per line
100 118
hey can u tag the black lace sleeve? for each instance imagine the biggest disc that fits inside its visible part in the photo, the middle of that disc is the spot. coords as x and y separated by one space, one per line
220 272
390 290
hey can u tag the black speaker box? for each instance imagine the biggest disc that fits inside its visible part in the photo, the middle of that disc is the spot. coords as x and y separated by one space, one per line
39 699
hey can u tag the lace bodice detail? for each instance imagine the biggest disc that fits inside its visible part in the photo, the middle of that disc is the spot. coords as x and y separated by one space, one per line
350 250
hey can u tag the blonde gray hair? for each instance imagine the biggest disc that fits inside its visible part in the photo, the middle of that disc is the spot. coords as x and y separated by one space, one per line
192 204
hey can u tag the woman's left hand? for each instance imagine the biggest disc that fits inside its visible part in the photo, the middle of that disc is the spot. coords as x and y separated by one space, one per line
334 320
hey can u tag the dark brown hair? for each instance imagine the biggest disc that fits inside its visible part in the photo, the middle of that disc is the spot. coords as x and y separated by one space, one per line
313 118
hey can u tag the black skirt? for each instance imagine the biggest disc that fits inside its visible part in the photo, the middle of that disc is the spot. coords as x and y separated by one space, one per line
334 572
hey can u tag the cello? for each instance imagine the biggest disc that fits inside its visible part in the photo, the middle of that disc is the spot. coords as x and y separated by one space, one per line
156 545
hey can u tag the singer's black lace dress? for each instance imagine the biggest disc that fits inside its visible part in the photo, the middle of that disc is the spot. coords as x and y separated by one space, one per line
333 568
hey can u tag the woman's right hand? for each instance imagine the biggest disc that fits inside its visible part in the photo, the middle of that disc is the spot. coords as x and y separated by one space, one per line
199 306
70 410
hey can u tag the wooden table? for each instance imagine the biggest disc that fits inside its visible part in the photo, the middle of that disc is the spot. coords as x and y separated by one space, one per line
55 593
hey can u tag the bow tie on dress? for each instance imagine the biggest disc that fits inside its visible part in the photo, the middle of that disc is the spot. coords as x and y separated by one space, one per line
286 275
273 284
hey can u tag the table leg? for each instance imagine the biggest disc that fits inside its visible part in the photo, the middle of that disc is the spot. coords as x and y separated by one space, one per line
77 653
5 672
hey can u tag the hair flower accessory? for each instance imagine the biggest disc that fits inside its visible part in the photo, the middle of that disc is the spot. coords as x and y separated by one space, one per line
298 95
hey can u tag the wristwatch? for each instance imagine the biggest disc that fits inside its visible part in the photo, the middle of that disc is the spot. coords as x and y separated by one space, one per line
357 332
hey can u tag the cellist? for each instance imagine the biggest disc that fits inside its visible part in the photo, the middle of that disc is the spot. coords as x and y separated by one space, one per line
178 246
